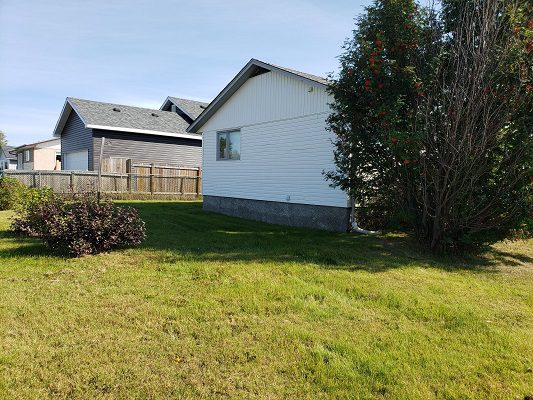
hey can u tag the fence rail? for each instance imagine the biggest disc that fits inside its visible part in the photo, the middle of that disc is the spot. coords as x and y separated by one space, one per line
143 179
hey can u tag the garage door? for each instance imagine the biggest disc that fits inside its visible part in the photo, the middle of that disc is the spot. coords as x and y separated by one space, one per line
76 160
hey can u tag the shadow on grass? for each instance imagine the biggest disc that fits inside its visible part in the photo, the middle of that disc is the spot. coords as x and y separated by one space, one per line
26 247
512 259
184 229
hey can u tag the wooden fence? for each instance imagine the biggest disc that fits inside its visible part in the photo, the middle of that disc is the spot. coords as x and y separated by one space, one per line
138 179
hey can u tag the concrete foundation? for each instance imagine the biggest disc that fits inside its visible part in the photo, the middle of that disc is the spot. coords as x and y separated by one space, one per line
302 215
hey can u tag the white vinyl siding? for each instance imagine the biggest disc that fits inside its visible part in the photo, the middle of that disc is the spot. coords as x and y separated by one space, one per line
285 146
269 97
280 161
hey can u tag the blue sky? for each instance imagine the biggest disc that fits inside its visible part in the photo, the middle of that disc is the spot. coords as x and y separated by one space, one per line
137 52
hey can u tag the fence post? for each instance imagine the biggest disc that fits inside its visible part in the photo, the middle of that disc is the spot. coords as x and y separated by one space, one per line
72 182
152 180
128 173
199 182
39 182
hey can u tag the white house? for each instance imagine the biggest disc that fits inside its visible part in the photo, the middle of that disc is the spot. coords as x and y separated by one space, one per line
265 148
7 160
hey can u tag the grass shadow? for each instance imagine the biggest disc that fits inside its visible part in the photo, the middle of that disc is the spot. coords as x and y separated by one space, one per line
184 229
26 247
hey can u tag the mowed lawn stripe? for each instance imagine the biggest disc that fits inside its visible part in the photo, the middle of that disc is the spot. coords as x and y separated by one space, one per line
218 307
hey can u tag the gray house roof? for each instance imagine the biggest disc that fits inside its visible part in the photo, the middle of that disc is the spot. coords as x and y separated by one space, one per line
119 117
38 145
191 108
252 68
7 152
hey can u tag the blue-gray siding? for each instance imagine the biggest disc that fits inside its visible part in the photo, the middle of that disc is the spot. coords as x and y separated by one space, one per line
143 148
75 137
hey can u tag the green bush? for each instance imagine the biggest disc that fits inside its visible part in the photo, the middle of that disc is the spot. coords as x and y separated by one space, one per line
11 193
31 197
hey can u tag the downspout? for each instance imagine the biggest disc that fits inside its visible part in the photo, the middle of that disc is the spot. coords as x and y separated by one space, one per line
354 227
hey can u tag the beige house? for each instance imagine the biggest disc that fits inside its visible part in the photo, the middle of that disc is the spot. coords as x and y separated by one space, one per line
44 155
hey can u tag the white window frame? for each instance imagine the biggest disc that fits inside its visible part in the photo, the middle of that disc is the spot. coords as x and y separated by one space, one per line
27 155
228 133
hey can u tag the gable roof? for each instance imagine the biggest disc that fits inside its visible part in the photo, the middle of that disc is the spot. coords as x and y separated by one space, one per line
38 145
7 152
122 118
191 108
252 68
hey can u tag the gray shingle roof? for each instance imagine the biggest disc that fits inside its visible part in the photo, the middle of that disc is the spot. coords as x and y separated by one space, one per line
192 107
6 150
96 113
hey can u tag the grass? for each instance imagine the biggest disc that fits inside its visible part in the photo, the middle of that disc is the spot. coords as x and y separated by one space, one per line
218 307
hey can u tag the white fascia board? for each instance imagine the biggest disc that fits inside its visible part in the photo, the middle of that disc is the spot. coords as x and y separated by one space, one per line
62 120
63 117
234 85
145 131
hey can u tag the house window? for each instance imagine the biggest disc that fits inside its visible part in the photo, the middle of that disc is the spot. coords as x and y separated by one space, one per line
229 145
28 155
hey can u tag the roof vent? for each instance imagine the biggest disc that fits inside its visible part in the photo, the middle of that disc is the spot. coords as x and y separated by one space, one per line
155 115
116 109
173 108
203 107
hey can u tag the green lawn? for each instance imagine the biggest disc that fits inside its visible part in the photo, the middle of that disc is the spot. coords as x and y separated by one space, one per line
219 307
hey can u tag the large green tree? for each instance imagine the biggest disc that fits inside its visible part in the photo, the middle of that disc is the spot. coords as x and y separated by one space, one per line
432 117
3 140
380 87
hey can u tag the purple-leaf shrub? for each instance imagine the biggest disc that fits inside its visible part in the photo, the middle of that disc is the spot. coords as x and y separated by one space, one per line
82 225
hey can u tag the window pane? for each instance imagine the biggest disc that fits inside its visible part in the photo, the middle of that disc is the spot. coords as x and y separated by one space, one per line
222 146
235 145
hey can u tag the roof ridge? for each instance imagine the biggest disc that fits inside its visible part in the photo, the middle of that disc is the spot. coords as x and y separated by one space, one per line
116 104
183 98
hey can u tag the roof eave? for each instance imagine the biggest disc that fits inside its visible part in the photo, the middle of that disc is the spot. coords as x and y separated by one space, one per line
169 100
63 117
145 131
244 74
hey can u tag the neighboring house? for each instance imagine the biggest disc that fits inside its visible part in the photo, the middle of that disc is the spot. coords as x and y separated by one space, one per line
265 148
189 110
44 155
7 160
140 134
